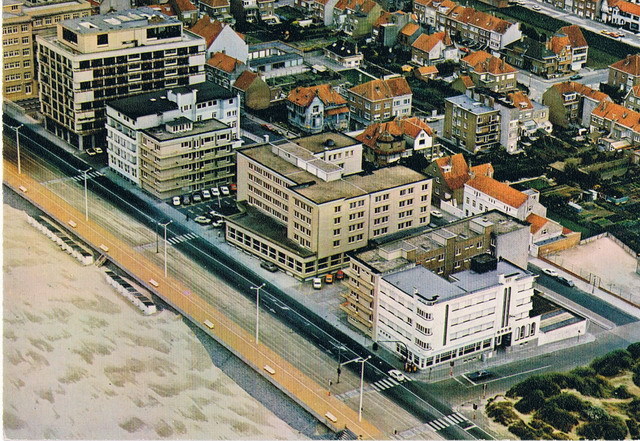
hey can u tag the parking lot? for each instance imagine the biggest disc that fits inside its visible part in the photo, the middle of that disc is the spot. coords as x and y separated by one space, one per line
224 205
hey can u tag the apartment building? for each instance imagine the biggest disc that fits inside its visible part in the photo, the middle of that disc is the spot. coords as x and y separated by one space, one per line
317 109
490 72
308 204
428 50
427 11
621 13
570 103
483 193
449 174
386 143
93 60
216 9
380 100
625 74
175 141
587 9
632 99
491 32
356 17
223 69
471 313
471 124
616 122
443 251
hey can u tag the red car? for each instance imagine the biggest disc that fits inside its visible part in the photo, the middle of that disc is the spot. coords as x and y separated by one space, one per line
340 275
233 187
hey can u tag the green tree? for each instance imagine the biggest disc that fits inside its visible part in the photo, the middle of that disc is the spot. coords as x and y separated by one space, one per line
612 363
634 350
608 428
558 418
530 402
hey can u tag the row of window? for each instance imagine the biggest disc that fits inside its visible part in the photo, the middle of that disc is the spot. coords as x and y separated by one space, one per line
12 41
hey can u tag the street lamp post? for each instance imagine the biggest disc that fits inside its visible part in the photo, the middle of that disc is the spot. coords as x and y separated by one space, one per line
86 196
363 361
17 128
165 246
157 237
257 288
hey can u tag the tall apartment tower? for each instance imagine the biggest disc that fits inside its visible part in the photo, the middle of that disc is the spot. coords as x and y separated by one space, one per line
93 60
18 75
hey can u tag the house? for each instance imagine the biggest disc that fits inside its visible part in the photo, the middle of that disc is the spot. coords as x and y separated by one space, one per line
587 9
186 10
570 103
571 37
470 124
482 193
428 50
449 174
321 10
625 74
223 69
356 17
426 73
221 37
408 34
549 236
307 205
444 251
380 100
616 122
345 53
387 27
621 13
385 143
317 109
217 10
632 99
463 83
490 72
275 59
486 30
532 55
427 10
254 92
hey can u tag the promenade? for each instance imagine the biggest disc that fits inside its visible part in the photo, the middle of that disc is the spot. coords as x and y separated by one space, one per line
302 389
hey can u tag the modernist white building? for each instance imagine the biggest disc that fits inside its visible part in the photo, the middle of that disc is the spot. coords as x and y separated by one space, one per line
483 193
96 59
431 320
128 117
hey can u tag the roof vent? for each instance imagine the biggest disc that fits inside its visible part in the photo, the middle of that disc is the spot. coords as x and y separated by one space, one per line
329 143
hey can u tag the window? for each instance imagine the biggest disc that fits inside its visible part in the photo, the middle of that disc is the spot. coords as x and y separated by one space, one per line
336 243
336 231
336 220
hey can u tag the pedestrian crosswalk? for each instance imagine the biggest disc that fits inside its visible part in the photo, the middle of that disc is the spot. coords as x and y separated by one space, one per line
435 425
92 174
378 386
182 238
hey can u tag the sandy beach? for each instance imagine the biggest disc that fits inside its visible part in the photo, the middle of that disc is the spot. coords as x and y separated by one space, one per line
80 362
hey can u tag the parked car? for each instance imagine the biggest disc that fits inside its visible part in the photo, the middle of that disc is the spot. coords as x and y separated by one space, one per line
550 272
215 192
90 152
176 201
340 275
576 77
225 190
397 375
98 150
566 281
202 220
206 194
479 375
186 199
269 266
436 213
197 197
328 278
317 283
233 187
214 213
217 223
536 7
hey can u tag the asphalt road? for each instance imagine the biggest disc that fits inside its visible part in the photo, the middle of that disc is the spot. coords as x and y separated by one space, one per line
289 312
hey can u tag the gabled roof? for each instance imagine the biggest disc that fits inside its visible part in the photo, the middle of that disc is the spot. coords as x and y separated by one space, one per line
216 3
559 42
634 91
476 57
427 70
498 190
207 29
520 100
343 48
185 5
375 90
364 6
619 114
482 61
224 62
459 172
537 222
575 36
625 6
387 18
395 128
426 43
630 65
410 29
165 8
467 81
303 96
245 80
480 19
571 86
483 170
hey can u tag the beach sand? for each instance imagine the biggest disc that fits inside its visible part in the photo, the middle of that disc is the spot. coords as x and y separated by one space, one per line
80 362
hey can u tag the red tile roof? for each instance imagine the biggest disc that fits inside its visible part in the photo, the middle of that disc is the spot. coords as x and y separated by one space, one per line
575 36
216 3
303 96
476 57
186 5
630 65
428 70
164 8
571 86
409 29
480 19
426 43
364 6
207 29
399 126
628 7
245 80
537 222
459 172
498 190
619 114
376 90
483 170
520 100
482 62
224 62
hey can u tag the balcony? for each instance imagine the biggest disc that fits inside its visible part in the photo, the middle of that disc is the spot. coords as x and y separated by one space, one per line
356 316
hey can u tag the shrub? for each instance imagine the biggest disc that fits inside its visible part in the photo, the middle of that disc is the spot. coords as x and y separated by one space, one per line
636 378
592 386
502 413
530 402
609 428
568 402
541 426
621 392
633 409
612 363
634 350
558 418
522 431
542 383
633 428
583 371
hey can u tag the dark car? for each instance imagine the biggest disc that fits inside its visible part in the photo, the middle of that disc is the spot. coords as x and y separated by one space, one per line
269 266
565 281
576 77
186 199
479 375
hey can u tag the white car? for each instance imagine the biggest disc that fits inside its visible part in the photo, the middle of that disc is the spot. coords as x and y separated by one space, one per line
397 375
317 283
206 194
215 192
550 272
176 201
225 190
536 8
436 213
202 220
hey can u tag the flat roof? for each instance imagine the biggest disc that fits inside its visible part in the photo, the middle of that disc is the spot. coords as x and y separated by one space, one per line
128 19
325 141
161 134
157 102
470 105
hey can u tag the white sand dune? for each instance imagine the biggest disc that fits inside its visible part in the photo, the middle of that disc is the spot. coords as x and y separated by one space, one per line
80 362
